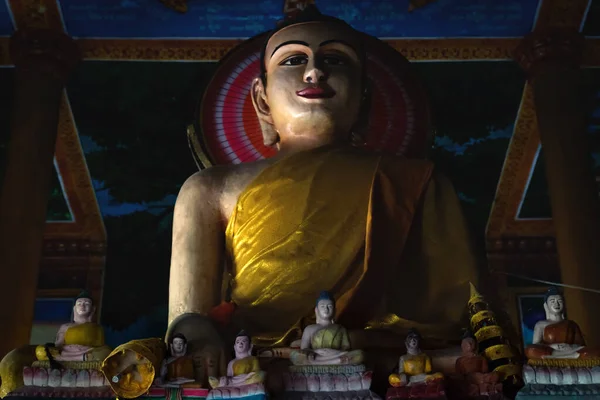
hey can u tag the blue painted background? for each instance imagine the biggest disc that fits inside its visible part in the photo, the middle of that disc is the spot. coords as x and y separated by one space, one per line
6 25
243 18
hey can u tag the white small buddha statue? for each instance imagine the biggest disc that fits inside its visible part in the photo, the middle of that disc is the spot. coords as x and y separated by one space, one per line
415 366
556 336
178 367
326 343
244 369
80 340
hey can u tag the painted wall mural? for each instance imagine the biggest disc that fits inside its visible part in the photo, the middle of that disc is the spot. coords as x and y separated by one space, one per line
242 19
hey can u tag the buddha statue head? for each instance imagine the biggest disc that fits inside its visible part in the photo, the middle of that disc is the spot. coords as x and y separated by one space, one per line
325 308
413 341
178 345
83 309
313 82
242 345
468 344
554 304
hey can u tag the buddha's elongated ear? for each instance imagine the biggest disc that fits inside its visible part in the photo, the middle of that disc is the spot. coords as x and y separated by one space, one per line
360 129
263 112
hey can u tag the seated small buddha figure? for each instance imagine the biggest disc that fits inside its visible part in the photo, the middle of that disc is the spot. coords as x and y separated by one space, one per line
326 343
244 369
178 368
556 336
475 371
80 340
415 366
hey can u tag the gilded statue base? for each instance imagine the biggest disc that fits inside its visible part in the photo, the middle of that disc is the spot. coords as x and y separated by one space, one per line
254 391
434 390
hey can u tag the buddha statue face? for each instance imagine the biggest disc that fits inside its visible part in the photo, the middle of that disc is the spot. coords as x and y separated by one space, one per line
178 347
83 309
325 310
468 346
413 342
242 345
313 89
554 305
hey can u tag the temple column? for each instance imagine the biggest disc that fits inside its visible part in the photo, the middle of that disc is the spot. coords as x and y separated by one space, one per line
551 59
43 59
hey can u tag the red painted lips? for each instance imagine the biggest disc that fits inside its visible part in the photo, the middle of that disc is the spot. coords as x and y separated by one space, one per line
316 93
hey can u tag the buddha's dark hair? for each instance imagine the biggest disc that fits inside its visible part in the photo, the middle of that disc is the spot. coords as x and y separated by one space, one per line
84 294
552 291
243 333
178 336
309 14
414 333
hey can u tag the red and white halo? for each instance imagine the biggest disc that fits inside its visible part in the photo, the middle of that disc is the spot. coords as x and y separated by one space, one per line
399 121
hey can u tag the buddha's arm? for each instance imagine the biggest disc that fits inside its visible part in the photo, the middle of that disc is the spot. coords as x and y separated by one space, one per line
345 341
428 365
538 334
60 335
401 365
198 246
306 338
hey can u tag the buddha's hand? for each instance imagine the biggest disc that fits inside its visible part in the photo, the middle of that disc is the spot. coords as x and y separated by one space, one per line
223 381
565 347
310 355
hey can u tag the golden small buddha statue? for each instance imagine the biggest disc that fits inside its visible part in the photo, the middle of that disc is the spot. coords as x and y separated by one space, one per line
415 366
80 340
326 343
384 234
557 337
244 369
178 368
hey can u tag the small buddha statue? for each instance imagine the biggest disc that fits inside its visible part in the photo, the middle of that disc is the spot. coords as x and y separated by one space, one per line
178 368
415 366
325 343
244 369
556 336
478 380
80 340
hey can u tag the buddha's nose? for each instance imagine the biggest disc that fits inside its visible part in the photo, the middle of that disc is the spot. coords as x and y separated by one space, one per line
315 75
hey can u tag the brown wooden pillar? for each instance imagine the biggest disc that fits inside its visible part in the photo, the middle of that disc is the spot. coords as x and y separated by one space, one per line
552 58
43 59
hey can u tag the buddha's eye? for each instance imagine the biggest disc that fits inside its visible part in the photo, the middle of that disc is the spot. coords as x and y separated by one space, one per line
295 60
334 60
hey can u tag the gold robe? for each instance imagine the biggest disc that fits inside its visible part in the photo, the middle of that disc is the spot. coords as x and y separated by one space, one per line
379 232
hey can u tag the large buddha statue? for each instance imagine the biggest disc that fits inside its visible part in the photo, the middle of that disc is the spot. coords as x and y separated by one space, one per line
325 343
384 234
556 336
80 340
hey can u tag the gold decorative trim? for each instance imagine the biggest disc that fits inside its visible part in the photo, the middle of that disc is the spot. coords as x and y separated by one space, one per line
488 332
515 174
499 351
72 167
508 370
213 50
36 14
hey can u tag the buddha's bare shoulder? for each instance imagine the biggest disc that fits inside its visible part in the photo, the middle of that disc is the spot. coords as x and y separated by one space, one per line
220 185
